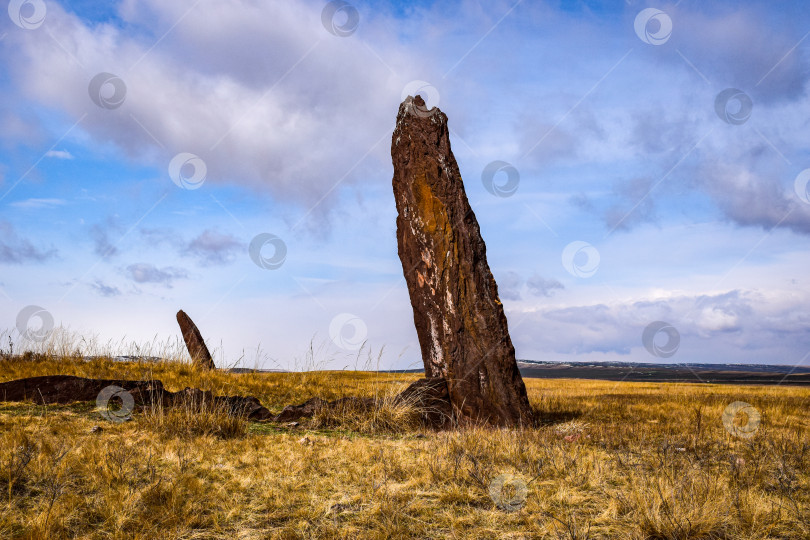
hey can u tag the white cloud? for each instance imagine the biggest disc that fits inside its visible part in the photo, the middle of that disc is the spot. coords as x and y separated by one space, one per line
59 154
212 247
261 92
717 319
713 327
149 273
15 249
36 203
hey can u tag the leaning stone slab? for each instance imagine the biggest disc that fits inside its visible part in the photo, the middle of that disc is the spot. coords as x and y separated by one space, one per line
459 318
195 344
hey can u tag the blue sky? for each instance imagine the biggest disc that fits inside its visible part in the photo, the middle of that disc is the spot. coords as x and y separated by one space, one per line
646 191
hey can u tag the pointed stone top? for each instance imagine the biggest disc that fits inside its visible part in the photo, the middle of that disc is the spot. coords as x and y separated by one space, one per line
416 107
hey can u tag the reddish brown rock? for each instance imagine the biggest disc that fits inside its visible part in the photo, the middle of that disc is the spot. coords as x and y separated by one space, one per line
312 406
68 389
194 342
297 412
431 399
459 318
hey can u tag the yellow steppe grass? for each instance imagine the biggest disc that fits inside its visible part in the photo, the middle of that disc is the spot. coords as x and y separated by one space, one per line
609 460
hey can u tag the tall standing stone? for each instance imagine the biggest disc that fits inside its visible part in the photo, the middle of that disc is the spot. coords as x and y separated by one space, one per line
459 318
194 342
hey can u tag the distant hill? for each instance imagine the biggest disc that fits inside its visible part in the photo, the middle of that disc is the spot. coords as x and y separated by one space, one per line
624 371
649 372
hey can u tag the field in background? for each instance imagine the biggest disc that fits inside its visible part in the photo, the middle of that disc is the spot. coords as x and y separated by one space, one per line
609 460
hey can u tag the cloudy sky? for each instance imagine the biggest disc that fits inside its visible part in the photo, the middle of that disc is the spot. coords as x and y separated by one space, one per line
633 165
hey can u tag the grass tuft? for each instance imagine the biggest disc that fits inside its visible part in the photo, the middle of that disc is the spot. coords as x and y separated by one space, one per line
195 416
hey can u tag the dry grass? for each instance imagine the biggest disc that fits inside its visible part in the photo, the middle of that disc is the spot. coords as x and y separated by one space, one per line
610 460
387 416
195 417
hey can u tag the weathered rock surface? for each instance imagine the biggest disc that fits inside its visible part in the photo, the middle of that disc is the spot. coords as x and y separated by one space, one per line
432 399
194 342
459 318
311 406
67 389
428 397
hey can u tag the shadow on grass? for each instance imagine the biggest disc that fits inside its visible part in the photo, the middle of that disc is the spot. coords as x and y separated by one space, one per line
550 418
270 428
31 409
